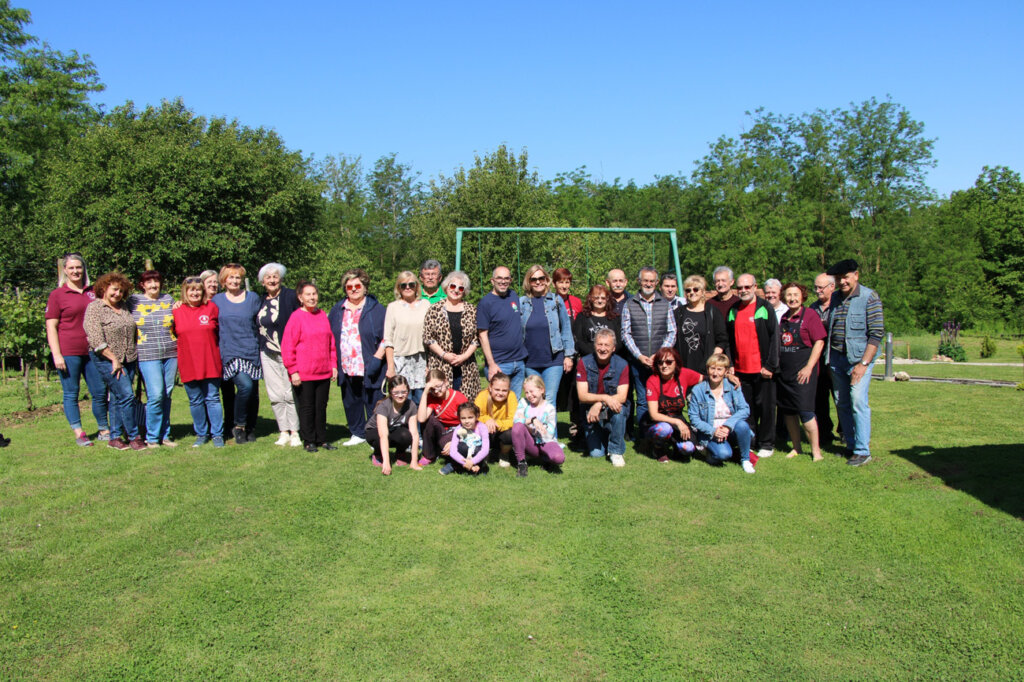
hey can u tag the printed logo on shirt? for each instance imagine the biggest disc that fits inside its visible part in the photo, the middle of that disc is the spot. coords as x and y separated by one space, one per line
90 295
515 306
204 319
787 338
651 394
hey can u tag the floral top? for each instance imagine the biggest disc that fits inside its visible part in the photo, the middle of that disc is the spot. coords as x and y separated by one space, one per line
349 343
155 321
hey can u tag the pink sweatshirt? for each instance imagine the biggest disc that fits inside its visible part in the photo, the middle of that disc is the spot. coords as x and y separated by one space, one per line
307 346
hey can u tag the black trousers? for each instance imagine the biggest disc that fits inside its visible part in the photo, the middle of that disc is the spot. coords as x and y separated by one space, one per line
823 405
311 404
433 437
760 396
399 440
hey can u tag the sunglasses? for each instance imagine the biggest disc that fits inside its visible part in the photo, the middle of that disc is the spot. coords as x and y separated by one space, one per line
407 285
355 286
539 278
666 362
744 288
193 280
456 287
693 290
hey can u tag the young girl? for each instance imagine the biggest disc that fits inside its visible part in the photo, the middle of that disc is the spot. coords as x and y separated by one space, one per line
438 416
470 442
534 428
394 425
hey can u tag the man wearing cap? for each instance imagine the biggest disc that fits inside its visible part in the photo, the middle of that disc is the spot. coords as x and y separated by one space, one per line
855 330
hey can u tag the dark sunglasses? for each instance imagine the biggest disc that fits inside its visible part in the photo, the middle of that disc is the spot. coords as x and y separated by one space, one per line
541 278
355 286
744 288
456 287
693 290
407 285
666 362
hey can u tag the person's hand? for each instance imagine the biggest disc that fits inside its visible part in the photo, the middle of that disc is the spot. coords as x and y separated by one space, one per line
415 464
857 373
721 433
492 370
594 413
58 362
386 469
733 379
684 430
447 448
475 468
765 373
469 466
297 380
116 368
334 374
452 359
613 403
389 374
567 364
647 360
804 375
177 304
492 426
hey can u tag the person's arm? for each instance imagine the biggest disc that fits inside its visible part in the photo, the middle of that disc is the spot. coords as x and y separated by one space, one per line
470 340
804 375
696 414
485 346
718 330
385 444
423 411
54 341
414 450
565 331
389 341
740 409
485 445
627 333
670 337
876 329
454 452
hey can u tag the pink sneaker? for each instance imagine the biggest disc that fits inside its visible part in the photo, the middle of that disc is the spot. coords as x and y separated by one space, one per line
425 462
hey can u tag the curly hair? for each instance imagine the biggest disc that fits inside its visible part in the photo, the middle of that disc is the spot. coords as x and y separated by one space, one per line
611 310
100 287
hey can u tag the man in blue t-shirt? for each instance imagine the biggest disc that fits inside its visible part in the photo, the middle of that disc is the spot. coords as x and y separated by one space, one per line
501 330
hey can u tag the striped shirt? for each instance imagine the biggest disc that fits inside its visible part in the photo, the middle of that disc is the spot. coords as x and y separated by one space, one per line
875 324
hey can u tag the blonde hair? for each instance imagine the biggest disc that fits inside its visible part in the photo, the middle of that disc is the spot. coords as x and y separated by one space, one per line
718 360
535 380
695 279
530 272
403 277
62 277
192 283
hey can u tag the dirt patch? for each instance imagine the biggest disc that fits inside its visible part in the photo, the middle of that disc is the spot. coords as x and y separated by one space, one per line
22 416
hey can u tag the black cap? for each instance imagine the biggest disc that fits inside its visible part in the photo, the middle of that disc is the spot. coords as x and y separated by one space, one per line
843 267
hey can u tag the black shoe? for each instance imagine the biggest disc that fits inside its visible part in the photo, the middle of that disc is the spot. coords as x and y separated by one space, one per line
328 446
311 448
239 435
858 460
250 436
4 442
522 468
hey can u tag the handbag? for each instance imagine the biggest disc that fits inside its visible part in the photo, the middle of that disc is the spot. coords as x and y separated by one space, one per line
140 406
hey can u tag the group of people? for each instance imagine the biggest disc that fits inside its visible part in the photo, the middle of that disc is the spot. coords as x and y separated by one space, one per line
681 375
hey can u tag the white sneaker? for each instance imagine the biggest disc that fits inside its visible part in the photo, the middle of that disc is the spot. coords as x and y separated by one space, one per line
764 453
748 467
617 461
504 463
354 440
295 441
283 439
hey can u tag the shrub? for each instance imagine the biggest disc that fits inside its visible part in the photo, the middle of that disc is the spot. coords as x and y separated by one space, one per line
988 347
949 342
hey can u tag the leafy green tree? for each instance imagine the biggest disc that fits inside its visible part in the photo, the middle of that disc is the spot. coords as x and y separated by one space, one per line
21 334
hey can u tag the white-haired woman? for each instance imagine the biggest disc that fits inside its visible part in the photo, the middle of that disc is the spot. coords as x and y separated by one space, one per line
450 334
403 335
278 304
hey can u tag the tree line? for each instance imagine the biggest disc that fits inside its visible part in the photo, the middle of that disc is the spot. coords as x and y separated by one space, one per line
785 198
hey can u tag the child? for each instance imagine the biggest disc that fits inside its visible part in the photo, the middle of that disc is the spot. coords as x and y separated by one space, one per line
470 442
497 409
394 425
534 429
438 416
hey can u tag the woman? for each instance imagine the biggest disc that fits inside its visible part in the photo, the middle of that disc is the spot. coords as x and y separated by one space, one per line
597 313
403 334
562 280
801 342
547 333
65 311
567 401
158 355
700 328
195 325
110 329
450 334
239 352
211 283
718 415
276 308
394 425
310 356
668 431
357 322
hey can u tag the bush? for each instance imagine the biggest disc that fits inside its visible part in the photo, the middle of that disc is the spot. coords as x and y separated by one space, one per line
988 347
949 342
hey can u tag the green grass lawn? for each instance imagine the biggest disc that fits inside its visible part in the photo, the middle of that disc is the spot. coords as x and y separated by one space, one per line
924 346
264 563
960 371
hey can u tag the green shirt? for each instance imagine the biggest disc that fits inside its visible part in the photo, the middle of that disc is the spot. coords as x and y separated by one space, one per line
437 296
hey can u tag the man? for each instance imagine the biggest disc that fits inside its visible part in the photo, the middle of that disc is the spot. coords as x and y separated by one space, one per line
754 334
724 299
670 290
647 325
430 279
773 294
616 282
855 332
602 382
501 331
824 286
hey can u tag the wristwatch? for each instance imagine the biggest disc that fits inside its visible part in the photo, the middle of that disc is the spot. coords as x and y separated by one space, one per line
864 363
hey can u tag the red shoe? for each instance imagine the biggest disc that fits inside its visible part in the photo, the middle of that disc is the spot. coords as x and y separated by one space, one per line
753 458
117 443
137 444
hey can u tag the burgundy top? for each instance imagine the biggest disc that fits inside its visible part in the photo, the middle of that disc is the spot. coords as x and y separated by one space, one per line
198 351
68 307
811 327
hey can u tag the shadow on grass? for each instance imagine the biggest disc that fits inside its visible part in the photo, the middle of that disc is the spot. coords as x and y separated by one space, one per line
994 474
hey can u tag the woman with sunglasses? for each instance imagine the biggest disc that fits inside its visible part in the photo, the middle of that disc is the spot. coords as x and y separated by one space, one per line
403 335
450 334
357 322
668 431
65 312
547 332
700 328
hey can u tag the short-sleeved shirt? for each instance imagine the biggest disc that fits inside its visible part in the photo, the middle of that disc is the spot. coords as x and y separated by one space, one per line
748 351
671 395
438 295
239 337
396 418
67 306
446 409
499 317
581 374
811 328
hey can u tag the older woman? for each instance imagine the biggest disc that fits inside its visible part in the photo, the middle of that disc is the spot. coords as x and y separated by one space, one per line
801 342
547 332
158 354
309 352
357 322
239 352
562 279
276 308
211 283
110 329
718 416
403 335
195 324
700 328
450 334
599 312
65 310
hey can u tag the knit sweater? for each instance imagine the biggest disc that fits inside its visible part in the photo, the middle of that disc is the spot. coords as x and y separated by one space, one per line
307 346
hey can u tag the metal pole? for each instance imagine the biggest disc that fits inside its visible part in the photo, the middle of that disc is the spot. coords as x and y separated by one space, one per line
888 357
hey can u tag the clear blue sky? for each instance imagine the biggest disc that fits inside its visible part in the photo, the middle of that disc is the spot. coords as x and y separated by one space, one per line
631 90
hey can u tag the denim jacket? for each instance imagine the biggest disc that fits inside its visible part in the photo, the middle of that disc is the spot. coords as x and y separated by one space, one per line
559 327
702 409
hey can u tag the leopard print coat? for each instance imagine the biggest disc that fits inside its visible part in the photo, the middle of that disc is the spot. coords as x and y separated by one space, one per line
436 330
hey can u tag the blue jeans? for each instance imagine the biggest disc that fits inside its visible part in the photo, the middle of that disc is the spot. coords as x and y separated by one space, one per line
852 404
516 372
607 436
71 381
552 376
244 394
739 436
640 374
203 402
158 375
122 406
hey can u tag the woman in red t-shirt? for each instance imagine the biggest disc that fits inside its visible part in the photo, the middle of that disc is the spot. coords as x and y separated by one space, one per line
666 404
195 325
438 416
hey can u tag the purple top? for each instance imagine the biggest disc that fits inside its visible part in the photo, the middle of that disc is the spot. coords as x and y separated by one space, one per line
485 444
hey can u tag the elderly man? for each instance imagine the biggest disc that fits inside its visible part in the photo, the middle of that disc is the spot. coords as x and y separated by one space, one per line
501 330
616 282
773 294
824 286
602 382
670 290
855 332
723 299
754 335
647 325
430 279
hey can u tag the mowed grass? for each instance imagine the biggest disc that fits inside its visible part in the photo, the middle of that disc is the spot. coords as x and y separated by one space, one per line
959 371
258 562
924 346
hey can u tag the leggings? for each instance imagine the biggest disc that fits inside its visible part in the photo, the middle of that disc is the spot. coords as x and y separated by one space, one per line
523 446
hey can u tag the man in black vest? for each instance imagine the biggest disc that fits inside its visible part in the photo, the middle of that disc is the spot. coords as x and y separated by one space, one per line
647 325
602 382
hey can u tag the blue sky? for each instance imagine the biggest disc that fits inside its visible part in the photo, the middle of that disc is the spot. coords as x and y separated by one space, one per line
631 90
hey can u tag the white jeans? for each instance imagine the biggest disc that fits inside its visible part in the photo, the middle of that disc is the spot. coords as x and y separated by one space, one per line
279 390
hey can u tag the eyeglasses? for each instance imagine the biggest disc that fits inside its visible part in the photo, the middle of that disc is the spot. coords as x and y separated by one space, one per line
742 287
407 285
539 278
354 286
399 394
456 287
817 288
501 279
193 280
666 362
693 290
